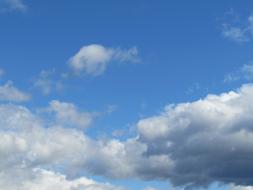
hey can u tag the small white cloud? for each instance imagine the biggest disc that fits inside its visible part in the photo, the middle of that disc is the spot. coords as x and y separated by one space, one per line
68 114
93 59
235 33
238 31
10 93
247 71
244 73
46 82
13 5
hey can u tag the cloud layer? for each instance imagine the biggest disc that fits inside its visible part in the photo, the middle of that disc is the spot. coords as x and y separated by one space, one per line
40 179
93 59
191 144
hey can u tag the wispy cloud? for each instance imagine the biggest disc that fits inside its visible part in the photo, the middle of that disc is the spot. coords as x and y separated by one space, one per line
186 139
93 59
2 72
244 73
236 29
46 82
12 5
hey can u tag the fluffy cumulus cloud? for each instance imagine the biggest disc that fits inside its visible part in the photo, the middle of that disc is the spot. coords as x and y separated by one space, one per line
191 144
93 59
8 92
27 142
12 5
208 140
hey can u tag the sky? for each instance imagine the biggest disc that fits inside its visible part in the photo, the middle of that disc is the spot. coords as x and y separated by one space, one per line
126 95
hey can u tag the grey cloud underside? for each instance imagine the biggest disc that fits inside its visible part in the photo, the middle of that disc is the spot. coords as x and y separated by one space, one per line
25 143
208 140
191 144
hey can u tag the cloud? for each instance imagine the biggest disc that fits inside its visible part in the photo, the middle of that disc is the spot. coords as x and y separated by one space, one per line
68 114
209 140
41 179
238 31
13 5
10 93
27 141
240 187
191 144
244 73
235 33
47 83
93 59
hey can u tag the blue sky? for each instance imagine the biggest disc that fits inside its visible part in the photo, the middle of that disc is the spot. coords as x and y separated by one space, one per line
126 75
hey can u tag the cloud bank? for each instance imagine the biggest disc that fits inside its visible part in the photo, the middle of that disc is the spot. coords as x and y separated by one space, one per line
191 144
209 140
39 179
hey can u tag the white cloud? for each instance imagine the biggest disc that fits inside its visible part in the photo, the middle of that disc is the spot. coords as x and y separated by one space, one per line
25 141
93 59
247 71
235 33
13 5
10 93
240 187
41 179
239 32
208 140
68 114
46 82
190 144
244 73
